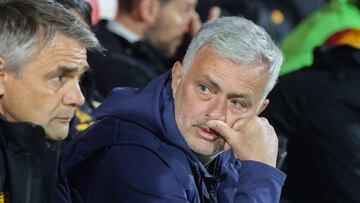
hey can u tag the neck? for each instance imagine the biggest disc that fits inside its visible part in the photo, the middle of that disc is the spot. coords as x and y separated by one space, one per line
206 160
132 24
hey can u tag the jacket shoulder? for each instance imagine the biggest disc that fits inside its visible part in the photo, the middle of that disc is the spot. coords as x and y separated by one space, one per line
138 164
132 173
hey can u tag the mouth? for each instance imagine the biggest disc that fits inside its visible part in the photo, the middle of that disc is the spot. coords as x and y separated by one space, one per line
64 119
206 133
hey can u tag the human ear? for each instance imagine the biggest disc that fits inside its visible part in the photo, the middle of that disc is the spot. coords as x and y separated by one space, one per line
176 76
263 106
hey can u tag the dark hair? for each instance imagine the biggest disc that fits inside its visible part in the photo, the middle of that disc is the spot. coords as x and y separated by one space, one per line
127 6
82 7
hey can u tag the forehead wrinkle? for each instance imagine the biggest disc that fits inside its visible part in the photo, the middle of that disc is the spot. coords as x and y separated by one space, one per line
217 67
237 95
76 55
72 52
230 95
247 85
73 69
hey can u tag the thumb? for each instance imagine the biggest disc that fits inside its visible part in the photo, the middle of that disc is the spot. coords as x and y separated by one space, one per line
240 124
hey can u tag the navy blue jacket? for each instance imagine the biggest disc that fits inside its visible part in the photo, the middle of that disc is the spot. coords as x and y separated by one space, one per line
135 153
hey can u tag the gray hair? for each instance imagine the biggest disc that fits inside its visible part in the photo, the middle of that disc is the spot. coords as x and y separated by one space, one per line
26 27
239 40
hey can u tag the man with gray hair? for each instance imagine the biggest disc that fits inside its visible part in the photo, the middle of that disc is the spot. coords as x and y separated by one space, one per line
42 56
191 135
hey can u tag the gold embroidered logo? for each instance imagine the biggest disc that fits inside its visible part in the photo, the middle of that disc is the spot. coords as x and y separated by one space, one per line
4 197
85 120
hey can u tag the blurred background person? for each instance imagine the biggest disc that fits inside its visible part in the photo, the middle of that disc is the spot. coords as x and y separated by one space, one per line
139 41
277 17
297 25
318 109
312 31
80 8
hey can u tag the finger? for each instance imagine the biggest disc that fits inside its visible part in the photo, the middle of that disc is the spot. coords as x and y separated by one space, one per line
214 13
224 130
227 147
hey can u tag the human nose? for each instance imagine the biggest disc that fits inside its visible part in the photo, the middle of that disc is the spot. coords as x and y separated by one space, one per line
74 96
217 110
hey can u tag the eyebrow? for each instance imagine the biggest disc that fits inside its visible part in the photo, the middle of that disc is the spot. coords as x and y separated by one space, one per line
212 82
234 96
218 89
67 69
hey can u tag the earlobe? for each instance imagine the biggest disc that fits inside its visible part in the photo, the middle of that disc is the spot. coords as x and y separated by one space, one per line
176 76
263 106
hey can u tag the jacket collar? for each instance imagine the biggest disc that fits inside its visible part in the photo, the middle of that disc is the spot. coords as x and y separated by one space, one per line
23 138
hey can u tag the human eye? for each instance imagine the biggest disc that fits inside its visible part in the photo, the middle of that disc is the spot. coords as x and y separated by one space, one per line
204 89
58 80
240 105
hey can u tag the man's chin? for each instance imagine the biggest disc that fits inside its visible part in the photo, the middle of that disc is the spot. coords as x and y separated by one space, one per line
207 151
57 135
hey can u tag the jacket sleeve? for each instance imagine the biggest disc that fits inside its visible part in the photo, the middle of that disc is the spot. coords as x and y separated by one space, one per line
251 182
126 173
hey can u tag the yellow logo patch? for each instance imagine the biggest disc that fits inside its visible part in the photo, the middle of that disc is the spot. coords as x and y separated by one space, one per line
4 197
85 120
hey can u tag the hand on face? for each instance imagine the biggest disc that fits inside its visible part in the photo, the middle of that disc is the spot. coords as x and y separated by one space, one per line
195 23
250 138
214 13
